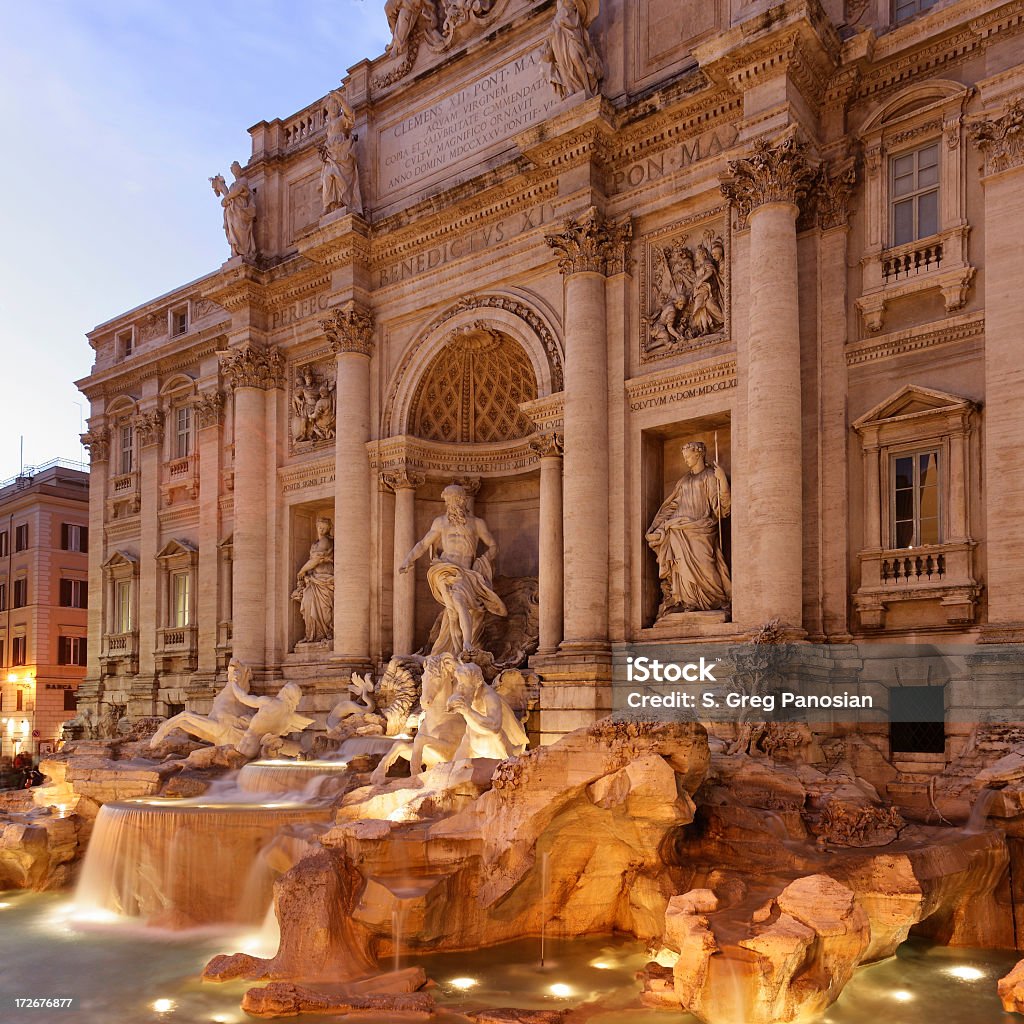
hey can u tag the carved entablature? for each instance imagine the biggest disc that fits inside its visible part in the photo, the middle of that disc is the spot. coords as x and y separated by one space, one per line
350 329
209 408
253 367
775 173
1001 139
590 244
452 462
684 284
149 427
97 440
313 412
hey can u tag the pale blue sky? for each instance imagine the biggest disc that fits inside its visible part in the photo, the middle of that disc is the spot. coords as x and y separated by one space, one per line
117 112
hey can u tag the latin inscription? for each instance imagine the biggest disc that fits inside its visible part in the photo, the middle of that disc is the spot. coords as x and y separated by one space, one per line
313 481
295 311
682 396
465 245
496 106
689 152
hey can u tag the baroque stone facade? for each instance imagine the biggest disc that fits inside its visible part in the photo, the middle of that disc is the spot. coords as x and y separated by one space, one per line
537 248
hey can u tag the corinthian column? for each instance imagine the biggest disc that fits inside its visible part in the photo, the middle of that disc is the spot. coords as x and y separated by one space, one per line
404 483
766 188
549 448
588 249
350 333
252 372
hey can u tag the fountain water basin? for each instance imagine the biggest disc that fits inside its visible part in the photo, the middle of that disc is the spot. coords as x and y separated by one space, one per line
180 863
273 776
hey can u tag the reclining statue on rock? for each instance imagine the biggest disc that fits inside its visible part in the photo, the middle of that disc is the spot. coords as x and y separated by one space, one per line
228 718
275 718
493 728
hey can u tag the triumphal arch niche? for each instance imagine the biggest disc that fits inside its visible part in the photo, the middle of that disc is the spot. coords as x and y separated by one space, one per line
475 402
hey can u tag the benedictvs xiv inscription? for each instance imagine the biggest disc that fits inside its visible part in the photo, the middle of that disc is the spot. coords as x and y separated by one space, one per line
491 109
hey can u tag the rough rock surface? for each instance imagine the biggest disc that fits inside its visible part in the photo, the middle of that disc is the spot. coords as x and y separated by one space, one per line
283 999
1011 989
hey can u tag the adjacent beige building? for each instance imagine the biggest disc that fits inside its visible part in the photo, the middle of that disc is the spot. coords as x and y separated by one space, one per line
535 249
44 589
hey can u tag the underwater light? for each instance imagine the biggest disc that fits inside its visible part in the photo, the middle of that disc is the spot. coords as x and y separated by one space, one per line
163 1005
560 990
601 965
463 983
902 995
965 973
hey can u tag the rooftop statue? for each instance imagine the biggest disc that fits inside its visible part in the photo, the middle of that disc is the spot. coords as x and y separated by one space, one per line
339 178
228 718
573 63
239 211
404 17
685 538
459 580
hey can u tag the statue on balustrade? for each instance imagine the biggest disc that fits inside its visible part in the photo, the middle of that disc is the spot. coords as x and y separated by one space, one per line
573 63
686 538
339 177
228 717
314 585
461 581
403 18
239 211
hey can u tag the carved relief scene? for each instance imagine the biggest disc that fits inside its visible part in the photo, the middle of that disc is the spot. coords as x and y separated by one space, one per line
313 413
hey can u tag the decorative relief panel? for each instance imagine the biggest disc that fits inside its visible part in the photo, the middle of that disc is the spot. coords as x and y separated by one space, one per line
684 288
313 413
664 32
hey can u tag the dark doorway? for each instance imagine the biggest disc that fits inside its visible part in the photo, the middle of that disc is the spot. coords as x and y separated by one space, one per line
917 719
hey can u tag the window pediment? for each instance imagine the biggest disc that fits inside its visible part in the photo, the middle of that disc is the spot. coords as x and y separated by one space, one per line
913 402
121 558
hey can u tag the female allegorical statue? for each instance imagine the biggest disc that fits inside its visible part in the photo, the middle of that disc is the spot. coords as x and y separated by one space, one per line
239 211
314 585
685 538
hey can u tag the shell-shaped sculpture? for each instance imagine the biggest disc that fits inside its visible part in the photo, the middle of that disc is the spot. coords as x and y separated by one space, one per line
397 693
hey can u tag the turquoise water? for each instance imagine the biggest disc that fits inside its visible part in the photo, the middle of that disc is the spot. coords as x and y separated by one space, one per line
120 972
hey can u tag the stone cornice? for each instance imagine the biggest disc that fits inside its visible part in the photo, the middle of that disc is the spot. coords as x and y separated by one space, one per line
547 413
678 383
444 461
1001 139
967 327
118 379
300 476
340 241
774 173
590 244
585 132
252 366
350 329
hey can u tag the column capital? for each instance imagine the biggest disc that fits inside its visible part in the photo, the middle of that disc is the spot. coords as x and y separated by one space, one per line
402 479
1001 139
778 173
209 407
835 185
253 366
549 445
149 427
350 329
97 440
590 244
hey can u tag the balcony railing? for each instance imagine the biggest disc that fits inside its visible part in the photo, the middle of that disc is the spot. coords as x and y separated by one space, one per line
907 568
910 260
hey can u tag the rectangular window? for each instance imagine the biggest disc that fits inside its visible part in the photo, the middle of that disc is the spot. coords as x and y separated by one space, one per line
21 537
123 606
904 10
127 448
914 184
74 537
183 432
125 344
179 599
179 321
20 593
917 513
3 544
19 703
71 650
19 653
74 594
3 597
70 700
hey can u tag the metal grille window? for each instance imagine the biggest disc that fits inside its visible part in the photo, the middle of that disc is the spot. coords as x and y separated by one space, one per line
914 194
917 513
904 10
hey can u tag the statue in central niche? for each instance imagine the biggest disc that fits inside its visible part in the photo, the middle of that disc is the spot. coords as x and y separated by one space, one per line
686 538
314 585
460 580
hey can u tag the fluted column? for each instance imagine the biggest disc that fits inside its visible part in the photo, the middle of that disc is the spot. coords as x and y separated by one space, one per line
252 372
207 411
404 484
549 448
350 333
586 246
1001 140
768 572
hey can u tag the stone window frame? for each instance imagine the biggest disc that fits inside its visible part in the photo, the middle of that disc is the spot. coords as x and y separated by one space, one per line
120 645
174 640
124 343
182 309
917 419
931 111
179 473
919 9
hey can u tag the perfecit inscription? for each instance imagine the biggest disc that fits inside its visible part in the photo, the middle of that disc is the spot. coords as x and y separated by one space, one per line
428 143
